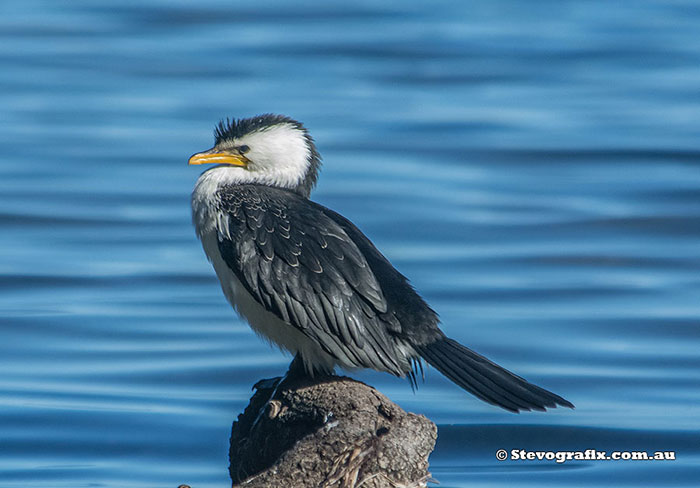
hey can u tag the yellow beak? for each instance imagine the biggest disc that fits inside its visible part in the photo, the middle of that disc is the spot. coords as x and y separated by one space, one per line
212 156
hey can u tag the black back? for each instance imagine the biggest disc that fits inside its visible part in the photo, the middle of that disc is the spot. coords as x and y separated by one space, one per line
315 270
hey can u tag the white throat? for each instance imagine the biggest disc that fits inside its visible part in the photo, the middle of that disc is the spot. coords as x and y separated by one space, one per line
279 156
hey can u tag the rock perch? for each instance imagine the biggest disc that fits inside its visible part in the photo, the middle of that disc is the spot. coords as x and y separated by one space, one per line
329 432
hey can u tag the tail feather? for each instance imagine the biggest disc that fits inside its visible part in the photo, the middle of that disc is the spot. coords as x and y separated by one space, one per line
487 380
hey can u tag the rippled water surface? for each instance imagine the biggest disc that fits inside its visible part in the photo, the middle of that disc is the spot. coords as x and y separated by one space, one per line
533 168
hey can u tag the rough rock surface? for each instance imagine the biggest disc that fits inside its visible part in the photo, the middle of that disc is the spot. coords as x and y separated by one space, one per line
331 432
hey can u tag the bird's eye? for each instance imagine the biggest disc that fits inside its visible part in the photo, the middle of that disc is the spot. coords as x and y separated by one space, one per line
243 149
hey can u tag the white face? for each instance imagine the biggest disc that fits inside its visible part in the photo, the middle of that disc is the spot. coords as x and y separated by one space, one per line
279 156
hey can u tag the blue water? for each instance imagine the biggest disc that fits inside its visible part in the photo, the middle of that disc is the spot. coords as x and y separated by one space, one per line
534 168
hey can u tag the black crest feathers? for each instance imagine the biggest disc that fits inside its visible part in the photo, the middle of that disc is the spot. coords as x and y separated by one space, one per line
237 128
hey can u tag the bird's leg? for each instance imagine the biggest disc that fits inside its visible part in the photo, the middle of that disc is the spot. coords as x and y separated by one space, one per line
295 371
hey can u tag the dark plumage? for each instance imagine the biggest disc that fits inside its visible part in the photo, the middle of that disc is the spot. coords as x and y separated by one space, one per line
323 278
299 260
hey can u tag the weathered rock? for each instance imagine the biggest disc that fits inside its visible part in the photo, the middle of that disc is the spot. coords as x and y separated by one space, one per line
331 432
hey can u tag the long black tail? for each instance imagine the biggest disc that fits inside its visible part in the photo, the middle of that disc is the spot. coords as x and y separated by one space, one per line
487 380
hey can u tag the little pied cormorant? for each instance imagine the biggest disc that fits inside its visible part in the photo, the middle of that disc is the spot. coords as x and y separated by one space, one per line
311 282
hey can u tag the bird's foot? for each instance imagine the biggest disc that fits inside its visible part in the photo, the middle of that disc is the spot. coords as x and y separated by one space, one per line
267 383
296 370
271 405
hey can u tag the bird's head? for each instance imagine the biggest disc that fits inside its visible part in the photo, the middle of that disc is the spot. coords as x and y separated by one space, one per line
269 149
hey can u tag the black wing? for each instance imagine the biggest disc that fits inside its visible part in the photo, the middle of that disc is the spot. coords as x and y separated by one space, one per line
301 265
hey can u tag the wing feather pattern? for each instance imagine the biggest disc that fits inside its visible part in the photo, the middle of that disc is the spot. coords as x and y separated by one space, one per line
301 265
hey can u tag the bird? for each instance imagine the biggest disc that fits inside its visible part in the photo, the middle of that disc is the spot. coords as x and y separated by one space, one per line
309 281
